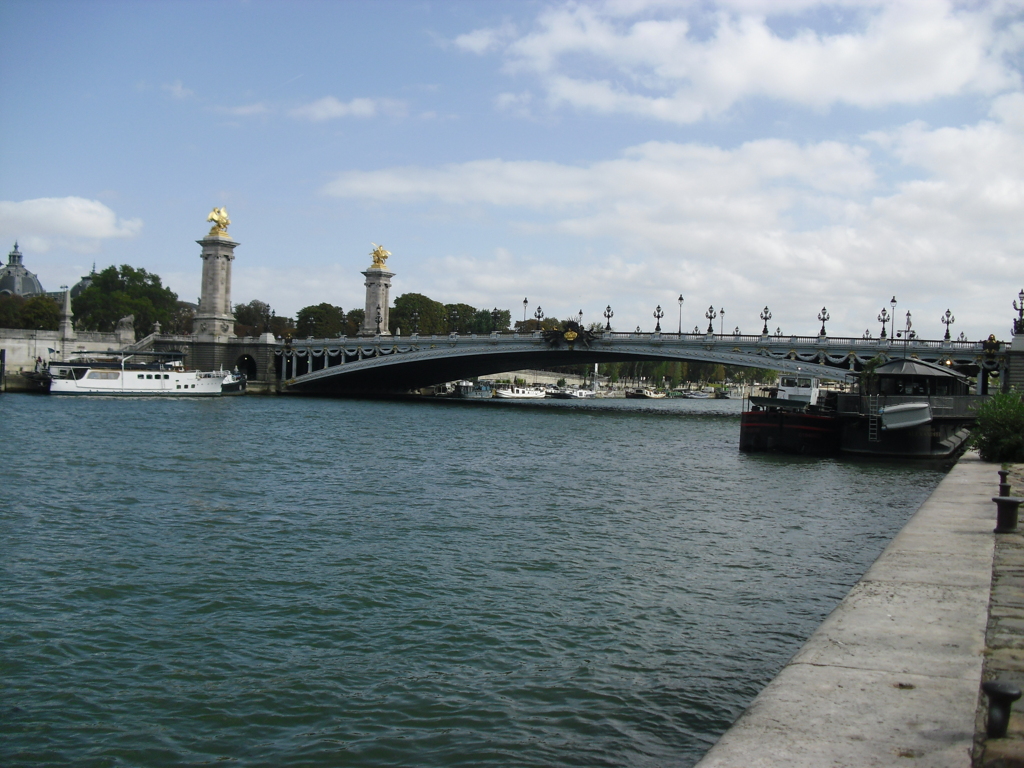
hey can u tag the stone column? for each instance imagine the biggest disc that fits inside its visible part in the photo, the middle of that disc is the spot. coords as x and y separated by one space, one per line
67 326
378 294
214 321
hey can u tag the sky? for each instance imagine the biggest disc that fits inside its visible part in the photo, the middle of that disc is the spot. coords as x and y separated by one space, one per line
743 154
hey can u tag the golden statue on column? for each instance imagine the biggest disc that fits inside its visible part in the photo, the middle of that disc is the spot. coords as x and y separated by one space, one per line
379 256
219 217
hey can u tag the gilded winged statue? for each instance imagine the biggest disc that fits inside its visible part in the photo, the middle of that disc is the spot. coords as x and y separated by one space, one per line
379 256
219 217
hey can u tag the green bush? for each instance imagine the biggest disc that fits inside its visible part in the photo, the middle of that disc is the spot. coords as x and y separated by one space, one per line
998 433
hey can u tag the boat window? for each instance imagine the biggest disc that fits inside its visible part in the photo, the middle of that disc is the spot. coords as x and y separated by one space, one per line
167 376
179 386
103 375
149 375
142 376
789 382
804 383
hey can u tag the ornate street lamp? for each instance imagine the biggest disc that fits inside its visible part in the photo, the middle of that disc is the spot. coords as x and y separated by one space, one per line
721 327
867 333
415 321
696 330
766 315
495 314
711 315
778 331
893 316
658 314
454 317
962 336
1018 324
539 314
883 318
379 318
680 314
736 331
947 319
579 318
823 316
608 315
525 302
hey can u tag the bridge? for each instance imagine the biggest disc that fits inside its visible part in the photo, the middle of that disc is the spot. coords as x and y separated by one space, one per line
386 363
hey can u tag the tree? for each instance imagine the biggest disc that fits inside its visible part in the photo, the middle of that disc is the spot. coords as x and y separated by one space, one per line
252 319
431 314
40 313
181 320
115 293
320 321
10 310
354 321
998 433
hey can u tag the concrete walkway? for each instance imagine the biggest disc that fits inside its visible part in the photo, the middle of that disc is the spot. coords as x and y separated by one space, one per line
892 677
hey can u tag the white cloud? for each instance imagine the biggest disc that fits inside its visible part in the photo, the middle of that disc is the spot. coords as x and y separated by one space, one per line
73 222
770 221
330 108
177 90
483 40
245 110
649 59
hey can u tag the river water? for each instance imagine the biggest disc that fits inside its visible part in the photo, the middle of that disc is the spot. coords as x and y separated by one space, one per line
284 581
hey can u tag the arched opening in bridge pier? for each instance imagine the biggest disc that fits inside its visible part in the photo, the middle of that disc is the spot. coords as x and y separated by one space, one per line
247 365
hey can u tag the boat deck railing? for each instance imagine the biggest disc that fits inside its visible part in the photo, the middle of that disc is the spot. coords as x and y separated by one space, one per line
943 406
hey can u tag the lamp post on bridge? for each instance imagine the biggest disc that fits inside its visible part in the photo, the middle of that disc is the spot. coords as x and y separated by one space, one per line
947 319
766 315
454 317
711 315
721 326
416 322
608 315
1018 324
823 317
892 304
658 314
680 314
495 314
525 302
883 318
539 314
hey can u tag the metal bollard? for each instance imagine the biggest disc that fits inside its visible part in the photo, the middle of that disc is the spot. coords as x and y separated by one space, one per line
1001 696
1006 513
1004 487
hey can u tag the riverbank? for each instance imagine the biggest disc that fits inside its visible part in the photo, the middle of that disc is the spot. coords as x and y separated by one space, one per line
894 672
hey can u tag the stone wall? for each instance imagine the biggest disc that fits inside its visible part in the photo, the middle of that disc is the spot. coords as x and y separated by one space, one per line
23 347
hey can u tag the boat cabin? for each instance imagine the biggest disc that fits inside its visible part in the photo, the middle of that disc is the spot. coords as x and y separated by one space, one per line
914 378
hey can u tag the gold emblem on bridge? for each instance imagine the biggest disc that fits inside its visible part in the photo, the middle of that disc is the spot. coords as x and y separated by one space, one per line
379 256
571 335
219 217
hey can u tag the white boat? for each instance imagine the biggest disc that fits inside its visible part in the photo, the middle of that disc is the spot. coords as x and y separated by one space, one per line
520 393
571 394
123 375
645 394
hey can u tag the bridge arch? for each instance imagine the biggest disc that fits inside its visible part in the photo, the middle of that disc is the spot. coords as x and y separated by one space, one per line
398 364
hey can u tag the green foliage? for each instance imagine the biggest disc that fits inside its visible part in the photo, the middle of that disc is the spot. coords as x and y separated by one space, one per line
115 293
181 320
40 313
354 321
10 311
431 314
257 318
321 321
252 319
998 433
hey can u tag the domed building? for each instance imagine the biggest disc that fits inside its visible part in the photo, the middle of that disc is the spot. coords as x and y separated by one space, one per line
16 280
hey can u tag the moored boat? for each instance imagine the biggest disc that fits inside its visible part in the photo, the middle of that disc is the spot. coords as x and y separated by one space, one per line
467 390
904 408
645 393
520 393
135 374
